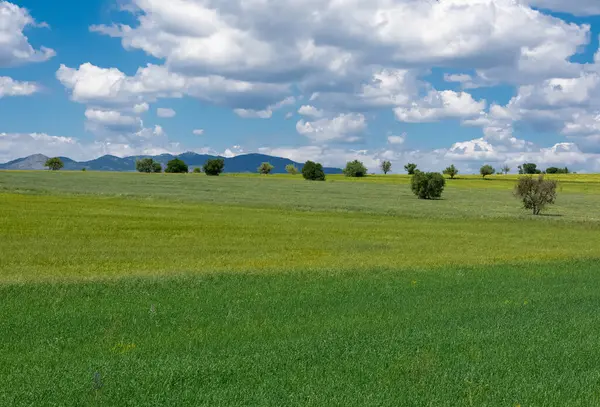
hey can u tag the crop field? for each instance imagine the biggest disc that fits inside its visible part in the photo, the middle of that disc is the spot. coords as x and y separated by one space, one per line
122 289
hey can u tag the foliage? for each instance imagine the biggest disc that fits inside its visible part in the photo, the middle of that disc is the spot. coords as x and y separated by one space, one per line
386 167
265 168
355 169
536 193
313 171
177 166
54 164
197 170
505 169
291 169
84 169
410 168
148 165
529 169
451 171
428 185
555 170
214 166
487 170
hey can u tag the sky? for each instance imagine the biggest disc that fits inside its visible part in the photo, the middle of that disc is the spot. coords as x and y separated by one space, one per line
434 82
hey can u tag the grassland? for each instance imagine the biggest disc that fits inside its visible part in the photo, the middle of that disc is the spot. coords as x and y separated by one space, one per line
131 289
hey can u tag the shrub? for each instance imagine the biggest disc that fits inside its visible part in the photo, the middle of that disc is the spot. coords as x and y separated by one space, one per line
410 168
214 167
313 171
291 169
536 193
84 169
487 170
265 168
386 167
355 169
176 166
451 171
54 164
148 165
529 169
428 185
197 170
555 170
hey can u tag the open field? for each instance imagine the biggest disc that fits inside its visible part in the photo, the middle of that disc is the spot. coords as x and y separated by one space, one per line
131 289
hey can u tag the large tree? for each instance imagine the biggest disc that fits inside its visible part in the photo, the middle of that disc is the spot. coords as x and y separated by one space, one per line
54 164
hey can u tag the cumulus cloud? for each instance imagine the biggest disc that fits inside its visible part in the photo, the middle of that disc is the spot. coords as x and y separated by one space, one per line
438 105
10 87
397 140
165 113
310 111
198 132
342 128
265 113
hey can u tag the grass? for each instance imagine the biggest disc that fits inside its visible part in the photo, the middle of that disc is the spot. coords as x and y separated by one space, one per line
131 289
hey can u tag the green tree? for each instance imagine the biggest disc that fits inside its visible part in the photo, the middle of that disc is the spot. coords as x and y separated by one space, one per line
197 170
148 165
451 171
555 170
410 168
291 169
54 164
428 185
505 169
355 169
265 168
313 171
177 166
536 193
214 166
529 169
487 170
386 167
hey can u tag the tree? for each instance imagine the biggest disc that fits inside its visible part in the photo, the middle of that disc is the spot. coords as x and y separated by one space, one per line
265 168
428 185
148 165
555 170
536 193
313 171
177 166
197 170
410 168
54 164
355 169
487 170
291 169
451 171
214 167
529 169
505 169
386 167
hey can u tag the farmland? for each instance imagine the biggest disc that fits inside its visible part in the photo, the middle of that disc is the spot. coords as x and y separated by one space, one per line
121 289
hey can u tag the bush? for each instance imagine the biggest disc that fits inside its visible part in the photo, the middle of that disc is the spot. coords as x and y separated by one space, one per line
487 170
355 169
428 185
148 165
386 167
536 193
555 170
410 168
451 171
197 170
265 168
291 169
177 166
54 164
214 167
313 171
84 169
529 169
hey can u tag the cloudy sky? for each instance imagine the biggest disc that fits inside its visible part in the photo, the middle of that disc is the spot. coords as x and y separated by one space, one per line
432 82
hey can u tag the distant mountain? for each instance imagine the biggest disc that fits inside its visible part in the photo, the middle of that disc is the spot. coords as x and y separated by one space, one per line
240 163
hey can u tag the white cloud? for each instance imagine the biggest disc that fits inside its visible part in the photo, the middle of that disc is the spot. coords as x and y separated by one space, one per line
198 132
310 111
438 105
10 87
342 128
266 113
396 140
16 145
141 108
165 113
112 120
14 45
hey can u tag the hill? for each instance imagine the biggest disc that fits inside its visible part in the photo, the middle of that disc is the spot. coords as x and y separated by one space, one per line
240 163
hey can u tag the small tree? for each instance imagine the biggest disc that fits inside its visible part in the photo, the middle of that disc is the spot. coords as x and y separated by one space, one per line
148 165
529 169
386 167
54 164
177 166
313 171
555 170
505 169
265 168
197 170
355 169
536 193
214 167
487 170
451 171
410 168
291 169
428 185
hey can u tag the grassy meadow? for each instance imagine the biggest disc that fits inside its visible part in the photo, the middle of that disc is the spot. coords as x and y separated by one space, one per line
122 289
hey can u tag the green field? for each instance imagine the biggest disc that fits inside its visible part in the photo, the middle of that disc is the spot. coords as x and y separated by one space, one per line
122 289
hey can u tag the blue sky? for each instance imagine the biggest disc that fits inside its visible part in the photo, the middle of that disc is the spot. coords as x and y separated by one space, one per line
455 81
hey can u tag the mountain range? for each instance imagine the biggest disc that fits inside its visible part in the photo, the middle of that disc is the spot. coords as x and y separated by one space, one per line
240 163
